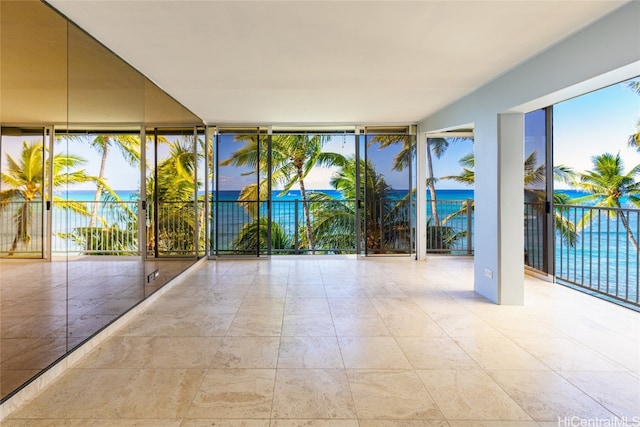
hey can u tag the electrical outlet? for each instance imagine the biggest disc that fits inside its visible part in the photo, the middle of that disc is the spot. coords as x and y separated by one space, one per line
488 273
153 276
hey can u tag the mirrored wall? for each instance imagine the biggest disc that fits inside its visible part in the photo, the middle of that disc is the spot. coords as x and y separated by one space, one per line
102 180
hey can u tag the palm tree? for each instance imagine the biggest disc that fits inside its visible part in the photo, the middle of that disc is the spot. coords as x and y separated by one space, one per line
254 235
533 174
25 182
634 139
435 147
128 145
334 221
607 184
292 158
173 227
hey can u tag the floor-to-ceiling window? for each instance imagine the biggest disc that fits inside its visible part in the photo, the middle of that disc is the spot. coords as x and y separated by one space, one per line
241 218
538 237
450 181
387 191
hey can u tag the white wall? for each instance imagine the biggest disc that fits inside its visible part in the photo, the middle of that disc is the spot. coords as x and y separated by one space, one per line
604 53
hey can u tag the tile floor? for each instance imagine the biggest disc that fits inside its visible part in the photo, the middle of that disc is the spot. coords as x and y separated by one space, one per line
48 308
343 342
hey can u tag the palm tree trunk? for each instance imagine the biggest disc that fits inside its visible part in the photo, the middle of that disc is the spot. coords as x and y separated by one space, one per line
432 186
305 207
98 195
625 223
22 231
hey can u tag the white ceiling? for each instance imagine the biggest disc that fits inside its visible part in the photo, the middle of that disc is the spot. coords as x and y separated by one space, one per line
303 62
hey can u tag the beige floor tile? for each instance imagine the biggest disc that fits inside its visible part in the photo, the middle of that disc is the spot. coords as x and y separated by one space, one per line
308 290
391 395
619 392
70 397
312 393
466 325
264 304
155 422
412 324
235 316
372 353
314 423
221 422
192 325
247 352
256 325
341 291
351 307
156 393
217 305
546 396
389 306
360 326
564 354
230 290
470 395
312 325
234 393
403 423
173 306
435 353
481 423
306 305
154 352
267 291
310 352
498 353
56 422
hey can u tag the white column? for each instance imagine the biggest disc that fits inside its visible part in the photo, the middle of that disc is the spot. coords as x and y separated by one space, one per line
499 218
421 198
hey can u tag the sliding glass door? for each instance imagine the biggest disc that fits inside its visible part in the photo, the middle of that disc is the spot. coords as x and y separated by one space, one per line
241 207
387 197
538 192
24 190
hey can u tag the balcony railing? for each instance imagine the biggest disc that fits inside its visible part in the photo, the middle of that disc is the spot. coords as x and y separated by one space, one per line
604 258
17 221
238 232
454 235
112 231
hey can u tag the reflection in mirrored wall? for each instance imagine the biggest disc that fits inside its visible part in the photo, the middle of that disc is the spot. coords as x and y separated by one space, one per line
85 232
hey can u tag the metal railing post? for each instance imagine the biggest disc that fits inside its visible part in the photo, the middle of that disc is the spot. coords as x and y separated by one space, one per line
469 228
297 233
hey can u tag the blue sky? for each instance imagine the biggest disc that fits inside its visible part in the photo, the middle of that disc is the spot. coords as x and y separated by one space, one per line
585 126
596 123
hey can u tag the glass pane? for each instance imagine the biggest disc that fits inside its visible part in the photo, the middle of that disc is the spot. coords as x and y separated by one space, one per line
241 223
173 188
172 219
450 180
313 193
22 193
388 194
535 191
